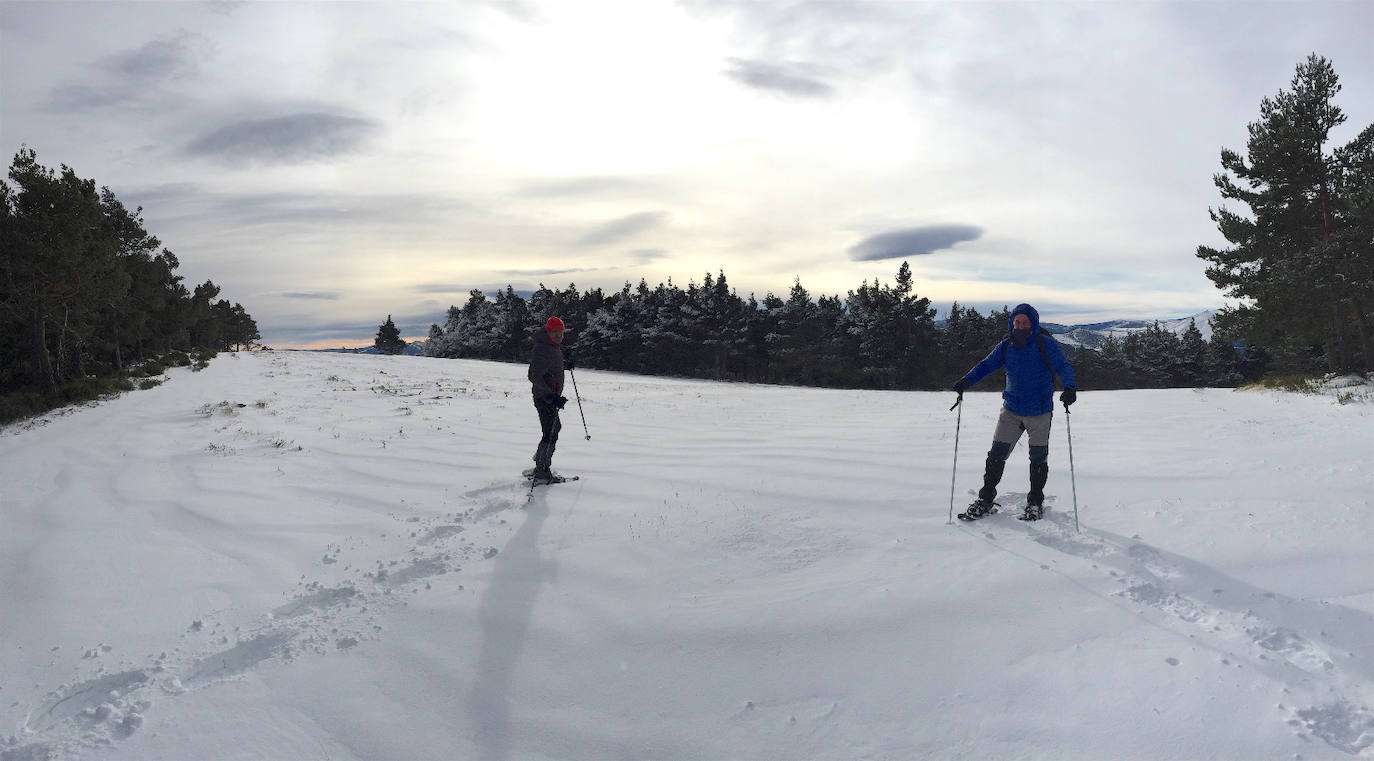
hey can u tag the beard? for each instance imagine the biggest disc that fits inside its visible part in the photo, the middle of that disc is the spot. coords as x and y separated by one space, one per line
1020 336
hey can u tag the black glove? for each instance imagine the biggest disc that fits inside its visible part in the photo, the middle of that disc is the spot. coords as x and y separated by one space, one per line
1069 396
568 363
560 401
960 386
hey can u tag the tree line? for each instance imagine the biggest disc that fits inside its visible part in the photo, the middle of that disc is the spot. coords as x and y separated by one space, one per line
878 336
87 293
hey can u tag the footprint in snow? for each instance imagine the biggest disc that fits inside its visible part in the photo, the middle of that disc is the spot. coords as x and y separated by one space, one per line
1295 648
315 602
239 658
84 697
1345 727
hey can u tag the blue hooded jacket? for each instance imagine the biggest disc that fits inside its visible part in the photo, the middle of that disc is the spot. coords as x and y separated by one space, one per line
1030 385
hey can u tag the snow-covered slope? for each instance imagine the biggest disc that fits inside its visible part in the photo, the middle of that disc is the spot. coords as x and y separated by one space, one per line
1093 335
308 555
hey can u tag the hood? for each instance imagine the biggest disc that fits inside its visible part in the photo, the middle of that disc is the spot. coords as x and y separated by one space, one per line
540 336
1028 311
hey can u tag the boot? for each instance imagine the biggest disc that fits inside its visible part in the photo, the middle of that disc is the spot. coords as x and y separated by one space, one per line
992 474
544 476
1039 474
1035 500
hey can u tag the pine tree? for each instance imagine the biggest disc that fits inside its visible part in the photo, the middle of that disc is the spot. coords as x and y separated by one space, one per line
792 336
60 267
610 339
1114 364
1298 258
1192 362
1223 363
389 339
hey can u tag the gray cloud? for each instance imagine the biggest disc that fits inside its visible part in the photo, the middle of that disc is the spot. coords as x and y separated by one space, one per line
158 60
321 295
646 255
295 138
539 272
441 288
582 186
625 227
133 78
76 96
796 79
915 241
177 204
489 290
850 40
226 7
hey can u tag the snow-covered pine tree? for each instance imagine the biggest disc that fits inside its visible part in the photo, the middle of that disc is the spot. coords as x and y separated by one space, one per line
389 339
1223 363
1192 360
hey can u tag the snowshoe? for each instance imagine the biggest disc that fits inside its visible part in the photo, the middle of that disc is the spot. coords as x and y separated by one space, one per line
544 479
978 509
1032 513
540 477
532 472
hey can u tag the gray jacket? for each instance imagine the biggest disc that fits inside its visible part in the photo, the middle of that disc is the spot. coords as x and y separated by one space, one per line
546 368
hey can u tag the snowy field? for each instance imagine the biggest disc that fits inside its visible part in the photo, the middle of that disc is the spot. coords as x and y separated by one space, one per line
324 556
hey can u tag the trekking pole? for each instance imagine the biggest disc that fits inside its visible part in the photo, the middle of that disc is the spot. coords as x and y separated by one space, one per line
958 423
579 405
1072 479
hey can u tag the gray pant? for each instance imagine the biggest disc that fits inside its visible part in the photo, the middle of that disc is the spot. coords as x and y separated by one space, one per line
1010 426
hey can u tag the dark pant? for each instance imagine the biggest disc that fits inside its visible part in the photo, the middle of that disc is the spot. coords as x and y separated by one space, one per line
550 425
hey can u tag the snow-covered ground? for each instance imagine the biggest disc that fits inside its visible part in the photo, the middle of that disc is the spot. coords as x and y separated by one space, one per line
301 555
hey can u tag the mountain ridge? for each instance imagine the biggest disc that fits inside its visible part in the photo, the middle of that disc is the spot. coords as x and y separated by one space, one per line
1093 335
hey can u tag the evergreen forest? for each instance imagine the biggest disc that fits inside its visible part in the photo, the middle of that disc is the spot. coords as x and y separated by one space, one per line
878 336
90 302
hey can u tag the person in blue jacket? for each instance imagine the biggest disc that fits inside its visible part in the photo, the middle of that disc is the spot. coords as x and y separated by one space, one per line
1031 359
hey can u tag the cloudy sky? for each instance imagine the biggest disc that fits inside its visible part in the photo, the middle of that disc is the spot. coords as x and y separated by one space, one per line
328 164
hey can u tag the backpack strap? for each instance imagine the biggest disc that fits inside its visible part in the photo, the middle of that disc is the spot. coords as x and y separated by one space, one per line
1054 377
1040 342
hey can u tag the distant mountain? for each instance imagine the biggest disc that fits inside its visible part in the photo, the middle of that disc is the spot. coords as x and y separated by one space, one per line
413 349
1093 335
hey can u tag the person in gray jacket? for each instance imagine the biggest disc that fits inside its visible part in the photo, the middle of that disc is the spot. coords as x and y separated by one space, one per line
546 385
